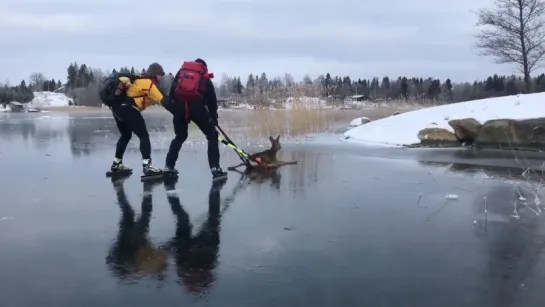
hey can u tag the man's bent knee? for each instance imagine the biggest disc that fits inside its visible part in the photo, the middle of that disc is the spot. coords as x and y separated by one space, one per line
126 136
181 136
142 134
212 136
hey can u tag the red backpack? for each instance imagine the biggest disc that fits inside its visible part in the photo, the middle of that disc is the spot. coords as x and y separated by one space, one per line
191 81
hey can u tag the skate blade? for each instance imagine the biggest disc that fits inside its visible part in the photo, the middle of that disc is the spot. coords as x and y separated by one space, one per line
110 174
219 179
144 178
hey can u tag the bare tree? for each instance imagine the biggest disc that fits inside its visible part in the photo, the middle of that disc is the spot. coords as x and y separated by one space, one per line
288 80
98 74
37 80
514 32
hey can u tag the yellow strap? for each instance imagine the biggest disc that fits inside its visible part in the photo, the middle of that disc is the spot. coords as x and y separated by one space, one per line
233 147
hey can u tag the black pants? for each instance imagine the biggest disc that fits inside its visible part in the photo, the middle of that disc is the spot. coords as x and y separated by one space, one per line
198 113
129 120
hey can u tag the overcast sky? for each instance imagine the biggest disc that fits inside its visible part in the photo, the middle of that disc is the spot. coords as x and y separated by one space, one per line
359 38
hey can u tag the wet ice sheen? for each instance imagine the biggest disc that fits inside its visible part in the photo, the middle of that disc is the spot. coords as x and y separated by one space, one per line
344 227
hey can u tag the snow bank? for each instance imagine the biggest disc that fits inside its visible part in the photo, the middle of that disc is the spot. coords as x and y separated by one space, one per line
6 109
402 129
49 99
358 121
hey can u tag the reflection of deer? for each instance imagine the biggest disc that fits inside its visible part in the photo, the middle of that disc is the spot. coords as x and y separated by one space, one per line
249 176
132 254
196 257
267 157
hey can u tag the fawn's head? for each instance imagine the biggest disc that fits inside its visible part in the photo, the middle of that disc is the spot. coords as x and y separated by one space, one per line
275 143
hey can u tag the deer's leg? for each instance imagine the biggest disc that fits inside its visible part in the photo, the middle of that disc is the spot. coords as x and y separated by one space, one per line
232 168
282 163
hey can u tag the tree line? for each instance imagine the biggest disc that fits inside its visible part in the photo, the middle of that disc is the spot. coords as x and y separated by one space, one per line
20 93
83 84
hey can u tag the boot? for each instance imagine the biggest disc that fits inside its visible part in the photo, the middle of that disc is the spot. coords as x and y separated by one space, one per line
170 170
118 166
150 170
218 173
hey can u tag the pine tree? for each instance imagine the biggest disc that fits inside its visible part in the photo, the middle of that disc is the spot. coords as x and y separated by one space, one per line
250 83
239 86
404 88
71 81
448 85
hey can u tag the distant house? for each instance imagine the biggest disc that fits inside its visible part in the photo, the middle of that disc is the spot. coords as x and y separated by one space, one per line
21 107
357 98
16 106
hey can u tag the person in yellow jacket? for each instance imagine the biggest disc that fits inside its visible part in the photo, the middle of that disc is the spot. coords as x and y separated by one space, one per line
132 96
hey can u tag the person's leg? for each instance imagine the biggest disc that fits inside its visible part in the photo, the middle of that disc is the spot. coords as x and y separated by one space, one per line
124 138
201 117
180 131
138 125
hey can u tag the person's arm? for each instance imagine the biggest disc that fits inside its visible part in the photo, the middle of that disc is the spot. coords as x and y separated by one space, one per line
173 85
155 94
169 105
124 83
211 99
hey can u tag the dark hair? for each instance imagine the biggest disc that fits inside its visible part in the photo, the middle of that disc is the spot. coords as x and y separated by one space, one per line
199 60
155 69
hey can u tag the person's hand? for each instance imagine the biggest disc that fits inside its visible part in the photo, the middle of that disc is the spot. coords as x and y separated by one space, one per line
214 119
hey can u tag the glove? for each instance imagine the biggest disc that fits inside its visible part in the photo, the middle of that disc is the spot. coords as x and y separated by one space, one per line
168 104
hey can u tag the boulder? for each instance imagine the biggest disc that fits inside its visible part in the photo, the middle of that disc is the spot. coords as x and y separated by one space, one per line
466 129
514 134
359 121
437 137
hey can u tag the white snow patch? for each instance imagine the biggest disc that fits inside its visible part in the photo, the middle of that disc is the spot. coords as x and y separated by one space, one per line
402 129
451 196
358 121
241 106
305 103
50 99
6 109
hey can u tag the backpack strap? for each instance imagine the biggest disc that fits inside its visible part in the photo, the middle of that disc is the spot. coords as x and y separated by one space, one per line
145 97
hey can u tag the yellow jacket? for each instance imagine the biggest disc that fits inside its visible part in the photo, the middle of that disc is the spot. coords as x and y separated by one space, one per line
143 91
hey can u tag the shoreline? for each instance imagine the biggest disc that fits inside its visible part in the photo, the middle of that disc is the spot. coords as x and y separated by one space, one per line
385 110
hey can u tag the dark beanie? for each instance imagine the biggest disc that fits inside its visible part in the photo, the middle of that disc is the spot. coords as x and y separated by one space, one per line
155 69
199 60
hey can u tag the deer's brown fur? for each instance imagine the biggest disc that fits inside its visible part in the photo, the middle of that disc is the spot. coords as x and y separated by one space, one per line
267 157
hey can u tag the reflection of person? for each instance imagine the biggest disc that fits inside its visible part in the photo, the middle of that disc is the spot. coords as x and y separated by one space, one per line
196 256
132 254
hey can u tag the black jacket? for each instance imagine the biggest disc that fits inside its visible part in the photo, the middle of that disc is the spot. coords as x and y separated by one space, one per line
209 95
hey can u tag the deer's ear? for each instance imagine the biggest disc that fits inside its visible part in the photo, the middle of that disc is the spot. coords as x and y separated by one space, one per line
271 139
278 137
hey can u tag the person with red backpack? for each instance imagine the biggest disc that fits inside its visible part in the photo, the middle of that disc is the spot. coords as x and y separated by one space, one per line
193 98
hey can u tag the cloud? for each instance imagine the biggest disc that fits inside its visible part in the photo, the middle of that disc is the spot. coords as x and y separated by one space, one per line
238 37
